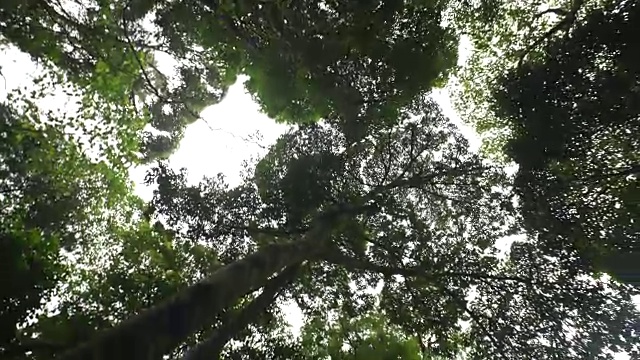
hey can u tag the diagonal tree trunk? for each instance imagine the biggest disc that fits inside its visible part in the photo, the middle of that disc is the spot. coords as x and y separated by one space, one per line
158 330
211 348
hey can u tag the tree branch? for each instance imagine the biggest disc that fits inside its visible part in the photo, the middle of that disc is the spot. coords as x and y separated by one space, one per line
418 180
566 22
351 263
211 348
156 331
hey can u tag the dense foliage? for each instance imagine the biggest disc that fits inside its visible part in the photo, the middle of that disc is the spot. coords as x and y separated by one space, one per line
575 118
504 34
306 60
368 336
53 198
371 215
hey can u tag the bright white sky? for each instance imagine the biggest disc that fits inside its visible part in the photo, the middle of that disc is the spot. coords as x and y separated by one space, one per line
220 146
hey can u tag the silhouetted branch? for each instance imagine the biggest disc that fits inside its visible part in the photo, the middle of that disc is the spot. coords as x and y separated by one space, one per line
351 263
566 22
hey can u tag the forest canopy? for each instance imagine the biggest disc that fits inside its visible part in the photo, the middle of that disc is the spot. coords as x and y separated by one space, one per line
371 214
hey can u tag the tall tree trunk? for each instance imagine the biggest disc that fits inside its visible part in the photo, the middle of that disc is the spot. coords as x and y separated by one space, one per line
211 348
158 330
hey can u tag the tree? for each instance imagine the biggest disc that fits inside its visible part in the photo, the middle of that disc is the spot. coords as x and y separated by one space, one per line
502 35
383 191
574 118
357 63
236 325
409 206
101 52
136 266
52 198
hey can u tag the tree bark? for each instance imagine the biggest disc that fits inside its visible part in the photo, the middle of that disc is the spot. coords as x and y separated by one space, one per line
211 348
158 330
